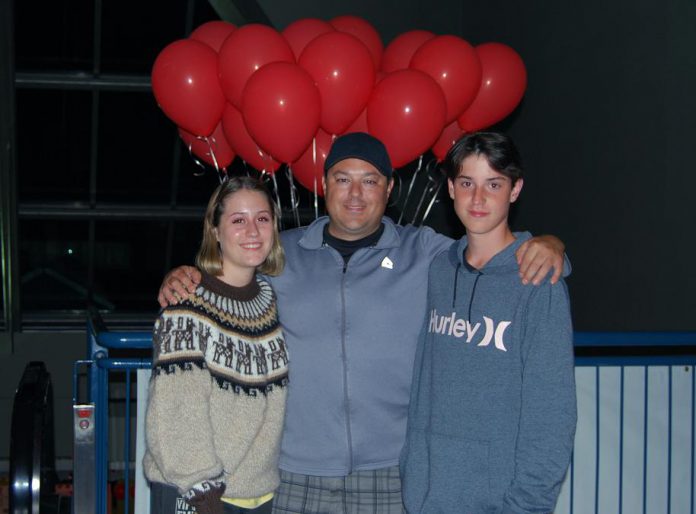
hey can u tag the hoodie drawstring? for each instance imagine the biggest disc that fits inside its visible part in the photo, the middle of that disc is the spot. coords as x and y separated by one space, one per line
456 280
473 293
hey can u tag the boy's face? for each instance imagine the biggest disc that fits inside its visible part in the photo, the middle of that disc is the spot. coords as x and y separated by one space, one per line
482 196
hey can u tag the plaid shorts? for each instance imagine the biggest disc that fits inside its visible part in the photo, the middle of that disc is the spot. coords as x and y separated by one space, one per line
375 491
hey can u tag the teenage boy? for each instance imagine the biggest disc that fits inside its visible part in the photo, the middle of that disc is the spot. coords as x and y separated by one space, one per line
493 411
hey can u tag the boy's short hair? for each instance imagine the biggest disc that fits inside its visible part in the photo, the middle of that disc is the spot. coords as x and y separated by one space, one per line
498 149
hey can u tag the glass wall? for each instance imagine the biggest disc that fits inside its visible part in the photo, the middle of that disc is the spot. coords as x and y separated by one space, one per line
108 197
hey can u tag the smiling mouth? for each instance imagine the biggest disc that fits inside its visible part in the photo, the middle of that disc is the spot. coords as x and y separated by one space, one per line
251 246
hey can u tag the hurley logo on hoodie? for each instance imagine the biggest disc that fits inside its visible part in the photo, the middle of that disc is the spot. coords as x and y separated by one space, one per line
460 328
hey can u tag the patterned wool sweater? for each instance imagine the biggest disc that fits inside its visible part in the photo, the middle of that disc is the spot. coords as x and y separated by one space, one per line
217 393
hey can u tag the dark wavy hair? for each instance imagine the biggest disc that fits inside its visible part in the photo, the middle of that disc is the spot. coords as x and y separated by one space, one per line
498 149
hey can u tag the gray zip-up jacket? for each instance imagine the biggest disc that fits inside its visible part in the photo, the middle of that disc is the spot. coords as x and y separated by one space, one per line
351 335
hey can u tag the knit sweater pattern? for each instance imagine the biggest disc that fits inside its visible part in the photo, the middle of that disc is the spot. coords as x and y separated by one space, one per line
217 392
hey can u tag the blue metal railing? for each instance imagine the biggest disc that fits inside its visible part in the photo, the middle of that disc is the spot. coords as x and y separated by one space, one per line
609 366
99 366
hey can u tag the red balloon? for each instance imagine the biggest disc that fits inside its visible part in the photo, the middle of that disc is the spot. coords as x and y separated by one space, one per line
281 108
359 125
309 168
364 31
246 50
216 151
407 113
299 33
397 55
450 134
503 82
455 66
342 70
185 84
213 33
241 142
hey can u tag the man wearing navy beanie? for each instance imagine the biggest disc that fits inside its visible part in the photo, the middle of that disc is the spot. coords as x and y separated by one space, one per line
362 146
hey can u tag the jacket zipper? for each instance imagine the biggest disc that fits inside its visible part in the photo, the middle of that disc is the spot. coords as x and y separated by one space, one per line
346 397
345 360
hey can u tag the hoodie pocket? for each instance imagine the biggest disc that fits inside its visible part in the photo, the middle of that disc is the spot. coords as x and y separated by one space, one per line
459 478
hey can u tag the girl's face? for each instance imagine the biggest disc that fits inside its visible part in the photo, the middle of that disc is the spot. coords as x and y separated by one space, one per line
245 235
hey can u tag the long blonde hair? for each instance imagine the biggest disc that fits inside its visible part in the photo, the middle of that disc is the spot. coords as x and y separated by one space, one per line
209 258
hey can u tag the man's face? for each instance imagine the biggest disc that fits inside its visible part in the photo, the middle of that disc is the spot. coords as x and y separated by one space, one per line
356 195
482 196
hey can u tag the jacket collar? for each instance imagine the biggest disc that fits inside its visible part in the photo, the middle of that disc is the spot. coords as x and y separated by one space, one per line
313 237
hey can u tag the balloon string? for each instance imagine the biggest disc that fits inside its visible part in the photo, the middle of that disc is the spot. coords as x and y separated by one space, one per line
433 201
277 195
294 199
410 187
432 189
316 198
314 151
196 161
396 191
314 177
210 141
264 159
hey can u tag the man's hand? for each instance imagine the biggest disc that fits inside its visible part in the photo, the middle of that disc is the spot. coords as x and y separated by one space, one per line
178 284
537 256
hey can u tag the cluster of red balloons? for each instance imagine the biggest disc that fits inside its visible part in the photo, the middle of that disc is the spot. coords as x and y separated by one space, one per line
281 97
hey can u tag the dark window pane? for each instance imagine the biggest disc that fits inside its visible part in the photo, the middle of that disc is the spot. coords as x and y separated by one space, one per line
152 26
53 145
54 35
196 183
2 308
53 264
129 263
187 239
136 144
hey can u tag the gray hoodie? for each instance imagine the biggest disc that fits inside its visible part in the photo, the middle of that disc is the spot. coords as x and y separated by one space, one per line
493 411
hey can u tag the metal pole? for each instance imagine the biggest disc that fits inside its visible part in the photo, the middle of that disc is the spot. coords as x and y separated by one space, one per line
83 459
9 272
